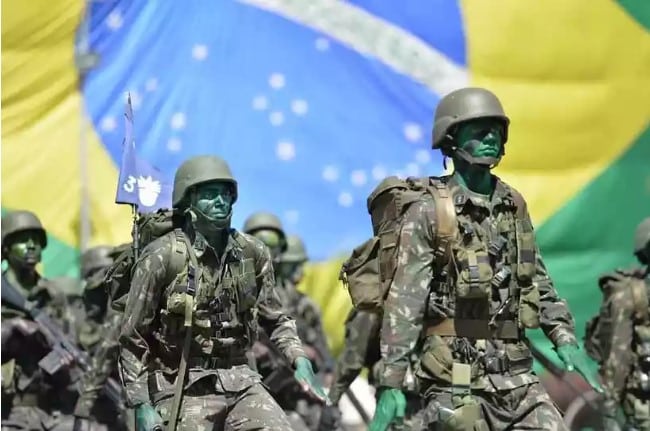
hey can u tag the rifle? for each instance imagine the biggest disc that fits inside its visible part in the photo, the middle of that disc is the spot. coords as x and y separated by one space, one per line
61 345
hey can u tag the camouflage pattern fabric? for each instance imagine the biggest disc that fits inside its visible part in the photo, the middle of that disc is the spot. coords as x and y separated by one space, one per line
418 298
302 410
625 373
32 400
526 407
234 294
360 350
205 409
91 402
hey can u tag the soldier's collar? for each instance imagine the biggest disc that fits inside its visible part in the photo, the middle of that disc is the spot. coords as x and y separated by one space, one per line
462 196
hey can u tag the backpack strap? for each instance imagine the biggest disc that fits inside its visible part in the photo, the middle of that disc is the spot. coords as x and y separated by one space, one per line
193 279
446 222
640 297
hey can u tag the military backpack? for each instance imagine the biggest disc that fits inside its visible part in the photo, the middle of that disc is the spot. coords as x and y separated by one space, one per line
149 227
597 339
370 269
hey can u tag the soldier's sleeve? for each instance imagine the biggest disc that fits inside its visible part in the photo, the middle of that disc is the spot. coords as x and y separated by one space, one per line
272 314
405 304
555 318
149 278
618 327
102 365
361 328
315 335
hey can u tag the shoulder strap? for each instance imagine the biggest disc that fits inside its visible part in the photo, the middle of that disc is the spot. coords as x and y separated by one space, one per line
446 221
640 296
193 276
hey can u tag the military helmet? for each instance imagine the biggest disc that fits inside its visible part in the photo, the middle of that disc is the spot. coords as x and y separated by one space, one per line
199 170
22 220
463 105
265 220
96 258
295 250
642 236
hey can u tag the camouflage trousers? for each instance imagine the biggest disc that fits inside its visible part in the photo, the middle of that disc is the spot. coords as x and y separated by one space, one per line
527 407
637 412
32 418
250 409
305 416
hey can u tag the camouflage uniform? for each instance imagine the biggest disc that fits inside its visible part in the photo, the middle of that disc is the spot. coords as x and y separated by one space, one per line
234 293
361 350
31 399
502 377
99 336
465 315
625 321
301 409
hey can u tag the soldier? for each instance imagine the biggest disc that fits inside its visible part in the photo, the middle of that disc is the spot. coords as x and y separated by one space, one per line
625 320
197 297
361 350
98 335
463 303
31 399
289 257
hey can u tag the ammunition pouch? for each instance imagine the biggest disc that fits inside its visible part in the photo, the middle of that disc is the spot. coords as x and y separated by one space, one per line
529 297
517 359
464 418
475 274
529 300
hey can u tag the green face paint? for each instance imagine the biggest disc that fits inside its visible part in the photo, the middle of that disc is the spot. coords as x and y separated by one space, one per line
272 239
214 200
481 138
25 249
292 271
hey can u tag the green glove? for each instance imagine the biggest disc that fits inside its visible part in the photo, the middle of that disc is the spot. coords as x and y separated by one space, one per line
305 375
147 418
577 360
390 407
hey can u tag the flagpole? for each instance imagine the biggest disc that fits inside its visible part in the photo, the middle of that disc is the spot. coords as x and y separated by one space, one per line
84 206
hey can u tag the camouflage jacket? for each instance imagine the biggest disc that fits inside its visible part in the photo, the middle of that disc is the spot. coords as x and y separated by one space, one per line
418 297
234 292
360 350
314 341
628 338
103 365
23 346
310 327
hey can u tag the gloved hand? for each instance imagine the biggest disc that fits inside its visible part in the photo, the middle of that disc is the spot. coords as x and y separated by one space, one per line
147 418
390 407
330 419
304 374
576 359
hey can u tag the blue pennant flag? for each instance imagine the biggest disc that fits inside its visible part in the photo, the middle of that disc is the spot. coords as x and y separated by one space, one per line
140 184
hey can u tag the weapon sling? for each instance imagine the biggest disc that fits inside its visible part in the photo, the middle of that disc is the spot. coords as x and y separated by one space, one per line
193 278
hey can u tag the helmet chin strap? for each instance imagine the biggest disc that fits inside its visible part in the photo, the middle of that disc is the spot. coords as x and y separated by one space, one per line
488 162
208 227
